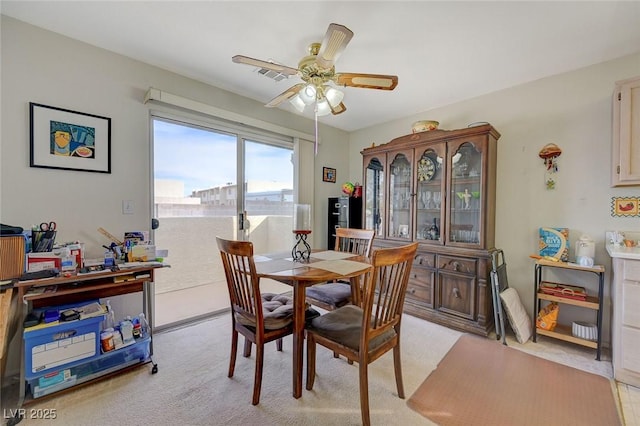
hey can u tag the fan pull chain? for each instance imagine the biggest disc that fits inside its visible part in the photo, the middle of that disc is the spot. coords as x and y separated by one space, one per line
316 143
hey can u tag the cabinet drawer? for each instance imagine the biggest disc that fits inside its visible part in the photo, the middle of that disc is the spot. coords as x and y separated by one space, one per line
427 260
631 270
630 349
419 287
630 301
458 264
456 294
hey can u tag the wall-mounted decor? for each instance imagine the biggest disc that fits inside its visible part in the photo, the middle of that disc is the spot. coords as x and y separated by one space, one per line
328 174
625 206
69 140
549 154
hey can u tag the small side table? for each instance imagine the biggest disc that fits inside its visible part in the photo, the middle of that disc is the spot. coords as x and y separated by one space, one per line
563 331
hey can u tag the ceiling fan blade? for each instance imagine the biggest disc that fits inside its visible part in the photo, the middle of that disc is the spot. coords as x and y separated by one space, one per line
286 95
338 109
282 69
334 43
367 81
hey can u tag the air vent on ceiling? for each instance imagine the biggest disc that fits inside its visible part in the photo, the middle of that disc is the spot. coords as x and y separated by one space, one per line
274 75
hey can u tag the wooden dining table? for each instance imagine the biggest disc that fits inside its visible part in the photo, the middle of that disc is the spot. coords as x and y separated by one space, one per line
322 266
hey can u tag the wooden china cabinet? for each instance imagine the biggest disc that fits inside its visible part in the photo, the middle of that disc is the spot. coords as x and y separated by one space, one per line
438 188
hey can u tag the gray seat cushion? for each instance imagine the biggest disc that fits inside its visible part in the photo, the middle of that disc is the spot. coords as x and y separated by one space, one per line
336 294
277 310
344 325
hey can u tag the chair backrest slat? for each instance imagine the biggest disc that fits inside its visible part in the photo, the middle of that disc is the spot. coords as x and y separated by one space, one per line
358 241
386 287
242 280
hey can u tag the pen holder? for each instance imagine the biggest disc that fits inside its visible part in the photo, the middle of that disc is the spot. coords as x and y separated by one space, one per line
42 241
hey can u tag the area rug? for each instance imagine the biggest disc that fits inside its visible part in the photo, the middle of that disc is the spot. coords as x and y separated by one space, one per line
481 382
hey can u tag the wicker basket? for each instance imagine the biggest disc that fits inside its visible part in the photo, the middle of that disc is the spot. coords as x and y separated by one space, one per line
11 256
584 330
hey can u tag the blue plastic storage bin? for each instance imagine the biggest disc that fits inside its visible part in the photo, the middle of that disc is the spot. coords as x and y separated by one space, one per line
61 346
94 367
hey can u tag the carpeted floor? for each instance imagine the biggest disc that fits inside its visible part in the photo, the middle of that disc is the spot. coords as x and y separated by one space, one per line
192 388
475 383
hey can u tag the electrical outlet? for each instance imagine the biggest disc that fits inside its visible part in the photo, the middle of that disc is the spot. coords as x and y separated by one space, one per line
127 206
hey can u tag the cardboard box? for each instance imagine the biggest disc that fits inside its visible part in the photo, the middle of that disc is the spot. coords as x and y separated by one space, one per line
136 237
42 261
77 250
554 242
143 253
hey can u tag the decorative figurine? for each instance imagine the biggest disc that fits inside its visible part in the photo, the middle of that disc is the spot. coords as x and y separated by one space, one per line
466 197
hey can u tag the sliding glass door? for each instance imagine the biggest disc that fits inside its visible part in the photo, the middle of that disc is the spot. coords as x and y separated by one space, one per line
197 168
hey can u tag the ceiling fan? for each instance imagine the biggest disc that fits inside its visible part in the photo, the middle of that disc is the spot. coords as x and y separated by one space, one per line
317 71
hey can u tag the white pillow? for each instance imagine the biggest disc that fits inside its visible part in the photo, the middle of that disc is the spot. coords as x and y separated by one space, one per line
518 318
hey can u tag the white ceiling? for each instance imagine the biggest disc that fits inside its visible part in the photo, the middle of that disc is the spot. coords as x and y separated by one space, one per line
442 52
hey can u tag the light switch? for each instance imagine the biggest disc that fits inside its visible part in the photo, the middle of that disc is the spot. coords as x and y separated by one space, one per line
127 206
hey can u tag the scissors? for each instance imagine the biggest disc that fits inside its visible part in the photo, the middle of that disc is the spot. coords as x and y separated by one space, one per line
51 226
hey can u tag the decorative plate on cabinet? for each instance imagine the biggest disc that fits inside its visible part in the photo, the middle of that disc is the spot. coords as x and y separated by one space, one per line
426 169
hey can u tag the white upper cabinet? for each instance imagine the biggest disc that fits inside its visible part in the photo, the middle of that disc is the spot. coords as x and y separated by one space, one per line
625 155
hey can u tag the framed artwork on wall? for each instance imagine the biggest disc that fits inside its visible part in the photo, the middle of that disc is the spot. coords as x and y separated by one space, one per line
328 174
625 206
69 140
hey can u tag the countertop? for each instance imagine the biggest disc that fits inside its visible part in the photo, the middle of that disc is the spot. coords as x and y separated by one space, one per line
623 252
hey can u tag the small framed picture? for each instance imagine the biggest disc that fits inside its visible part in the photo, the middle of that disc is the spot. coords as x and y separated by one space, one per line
328 174
625 206
69 140
403 231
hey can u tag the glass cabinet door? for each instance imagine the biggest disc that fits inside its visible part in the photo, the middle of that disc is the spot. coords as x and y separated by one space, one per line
465 197
374 196
400 200
429 190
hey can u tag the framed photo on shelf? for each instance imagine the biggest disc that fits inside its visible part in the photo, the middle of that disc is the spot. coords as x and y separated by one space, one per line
69 140
328 174
403 231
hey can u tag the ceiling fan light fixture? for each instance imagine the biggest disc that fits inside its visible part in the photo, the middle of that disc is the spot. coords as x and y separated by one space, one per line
308 94
333 96
323 108
297 103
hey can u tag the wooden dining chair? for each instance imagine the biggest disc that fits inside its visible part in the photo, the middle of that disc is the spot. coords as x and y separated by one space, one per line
330 296
260 318
364 333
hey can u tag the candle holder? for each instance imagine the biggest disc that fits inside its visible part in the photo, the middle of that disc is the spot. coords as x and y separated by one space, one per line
301 251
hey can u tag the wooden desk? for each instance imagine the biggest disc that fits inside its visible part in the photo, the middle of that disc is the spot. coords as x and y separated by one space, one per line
82 287
8 324
299 275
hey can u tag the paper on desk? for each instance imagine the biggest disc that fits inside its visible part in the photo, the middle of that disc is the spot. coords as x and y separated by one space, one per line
127 265
332 255
91 310
342 267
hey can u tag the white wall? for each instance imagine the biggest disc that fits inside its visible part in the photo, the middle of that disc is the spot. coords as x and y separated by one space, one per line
44 67
572 110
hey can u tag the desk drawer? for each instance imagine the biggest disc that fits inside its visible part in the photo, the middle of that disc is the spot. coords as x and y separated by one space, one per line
425 260
419 289
456 294
463 265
